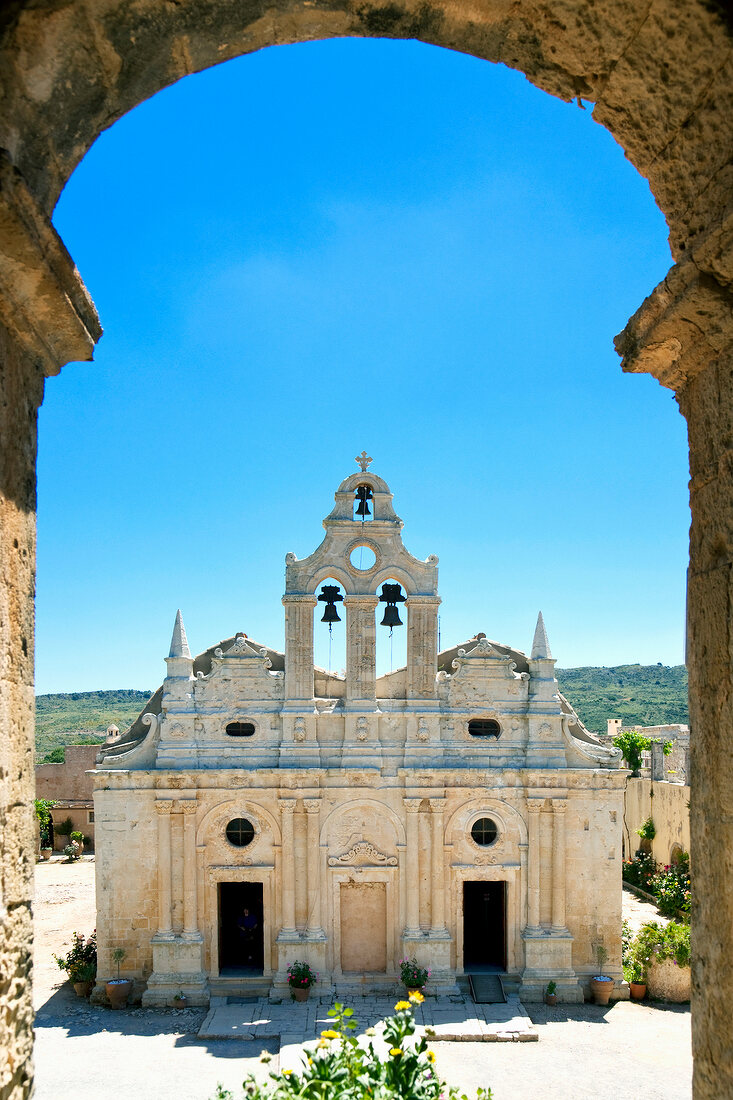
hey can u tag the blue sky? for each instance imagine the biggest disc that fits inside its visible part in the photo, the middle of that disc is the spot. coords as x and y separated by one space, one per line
344 245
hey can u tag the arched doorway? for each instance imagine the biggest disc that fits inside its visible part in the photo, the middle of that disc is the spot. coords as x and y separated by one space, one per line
661 80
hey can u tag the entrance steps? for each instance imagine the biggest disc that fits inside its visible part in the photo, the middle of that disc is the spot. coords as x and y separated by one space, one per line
487 989
238 986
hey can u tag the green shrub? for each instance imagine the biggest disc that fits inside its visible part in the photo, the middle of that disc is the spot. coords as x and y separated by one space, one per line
64 828
639 870
657 942
341 1068
80 963
647 830
671 887
43 807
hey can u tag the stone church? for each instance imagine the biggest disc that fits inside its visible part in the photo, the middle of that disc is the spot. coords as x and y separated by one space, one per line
262 810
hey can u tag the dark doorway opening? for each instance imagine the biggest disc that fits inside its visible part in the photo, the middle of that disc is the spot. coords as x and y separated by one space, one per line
484 926
241 933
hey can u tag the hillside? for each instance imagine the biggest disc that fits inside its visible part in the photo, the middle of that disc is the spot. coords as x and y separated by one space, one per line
641 695
82 717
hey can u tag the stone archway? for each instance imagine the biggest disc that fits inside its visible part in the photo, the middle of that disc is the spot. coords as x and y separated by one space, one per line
659 72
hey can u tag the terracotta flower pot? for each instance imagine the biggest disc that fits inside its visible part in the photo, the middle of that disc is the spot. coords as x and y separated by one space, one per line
299 992
551 999
180 1002
83 989
637 990
118 990
602 989
45 853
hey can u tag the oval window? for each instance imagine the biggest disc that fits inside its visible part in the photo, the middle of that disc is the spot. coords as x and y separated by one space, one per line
240 832
484 831
484 727
240 729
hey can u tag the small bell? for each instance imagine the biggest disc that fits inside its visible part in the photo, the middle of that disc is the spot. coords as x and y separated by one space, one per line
363 494
330 595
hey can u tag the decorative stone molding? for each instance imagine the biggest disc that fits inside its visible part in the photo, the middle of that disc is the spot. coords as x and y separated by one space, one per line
363 854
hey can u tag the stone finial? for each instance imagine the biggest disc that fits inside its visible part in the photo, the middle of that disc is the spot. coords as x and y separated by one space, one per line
364 460
179 641
540 644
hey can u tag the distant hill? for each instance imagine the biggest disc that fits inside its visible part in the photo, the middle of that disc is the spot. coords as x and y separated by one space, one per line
81 718
641 695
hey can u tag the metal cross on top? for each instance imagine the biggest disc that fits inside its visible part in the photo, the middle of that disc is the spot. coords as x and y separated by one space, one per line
363 459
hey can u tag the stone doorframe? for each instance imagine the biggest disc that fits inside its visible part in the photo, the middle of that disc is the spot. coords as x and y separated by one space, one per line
509 873
359 875
264 873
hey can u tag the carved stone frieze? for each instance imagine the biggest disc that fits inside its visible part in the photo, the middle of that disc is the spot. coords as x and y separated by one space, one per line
362 854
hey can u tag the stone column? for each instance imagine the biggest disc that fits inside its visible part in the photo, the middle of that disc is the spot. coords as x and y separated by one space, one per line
534 807
437 876
299 647
361 649
412 867
164 808
188 807
287 873
559 806
422 645
657 762
313 869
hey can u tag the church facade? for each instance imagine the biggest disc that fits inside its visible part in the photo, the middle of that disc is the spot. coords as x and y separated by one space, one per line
262 810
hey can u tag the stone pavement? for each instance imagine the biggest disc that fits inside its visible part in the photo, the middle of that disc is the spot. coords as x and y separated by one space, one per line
455 1019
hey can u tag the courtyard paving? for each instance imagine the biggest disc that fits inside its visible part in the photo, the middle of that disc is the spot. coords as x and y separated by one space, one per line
584 1052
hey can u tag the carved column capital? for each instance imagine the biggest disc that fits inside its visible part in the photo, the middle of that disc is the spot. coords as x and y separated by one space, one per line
163 805
412 805
312 805
559 805
423 601
187 806
307 600
287 805
535 805
363 601
437 805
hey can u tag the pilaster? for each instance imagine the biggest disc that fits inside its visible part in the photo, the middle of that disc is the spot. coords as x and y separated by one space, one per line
361 645
422 646
298 649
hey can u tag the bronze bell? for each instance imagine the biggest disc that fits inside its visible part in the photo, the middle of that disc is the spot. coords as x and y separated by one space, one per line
363 494
391 616
330 595
391 595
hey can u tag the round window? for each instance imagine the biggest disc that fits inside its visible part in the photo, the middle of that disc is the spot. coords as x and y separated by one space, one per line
363 558
240 832
484 831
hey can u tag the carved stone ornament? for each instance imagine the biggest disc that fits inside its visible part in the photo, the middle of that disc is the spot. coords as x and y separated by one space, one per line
362 854
176 730
482 861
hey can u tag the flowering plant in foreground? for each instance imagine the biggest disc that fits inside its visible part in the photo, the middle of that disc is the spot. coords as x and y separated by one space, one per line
341 1067
300 975
80 963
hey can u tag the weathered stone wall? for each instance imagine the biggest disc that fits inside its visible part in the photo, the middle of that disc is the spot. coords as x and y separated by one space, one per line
669 808
660 74
21 390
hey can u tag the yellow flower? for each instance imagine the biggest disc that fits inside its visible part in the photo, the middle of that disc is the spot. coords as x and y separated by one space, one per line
431 1056
287 1072
310 1061
401 1006
395 1052
417 997
329 1034
322 1043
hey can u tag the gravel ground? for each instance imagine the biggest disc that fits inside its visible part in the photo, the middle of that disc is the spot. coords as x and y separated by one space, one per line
622 1052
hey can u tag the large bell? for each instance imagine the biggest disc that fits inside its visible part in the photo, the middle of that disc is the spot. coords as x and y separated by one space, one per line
330 614
391 616
330 595
363 494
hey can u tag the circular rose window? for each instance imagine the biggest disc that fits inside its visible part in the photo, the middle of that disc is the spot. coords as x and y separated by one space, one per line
240 832
484 831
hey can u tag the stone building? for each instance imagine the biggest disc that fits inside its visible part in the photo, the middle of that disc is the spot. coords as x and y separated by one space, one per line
262 810
71 788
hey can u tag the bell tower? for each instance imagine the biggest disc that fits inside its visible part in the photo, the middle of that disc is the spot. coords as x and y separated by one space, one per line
363 552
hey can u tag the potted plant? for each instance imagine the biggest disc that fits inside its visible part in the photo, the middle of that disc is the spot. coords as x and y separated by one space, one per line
77 839
412 975
118 989
180 1000
43 807
601 985
551 993
300 979
666 949
635 975
80 963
